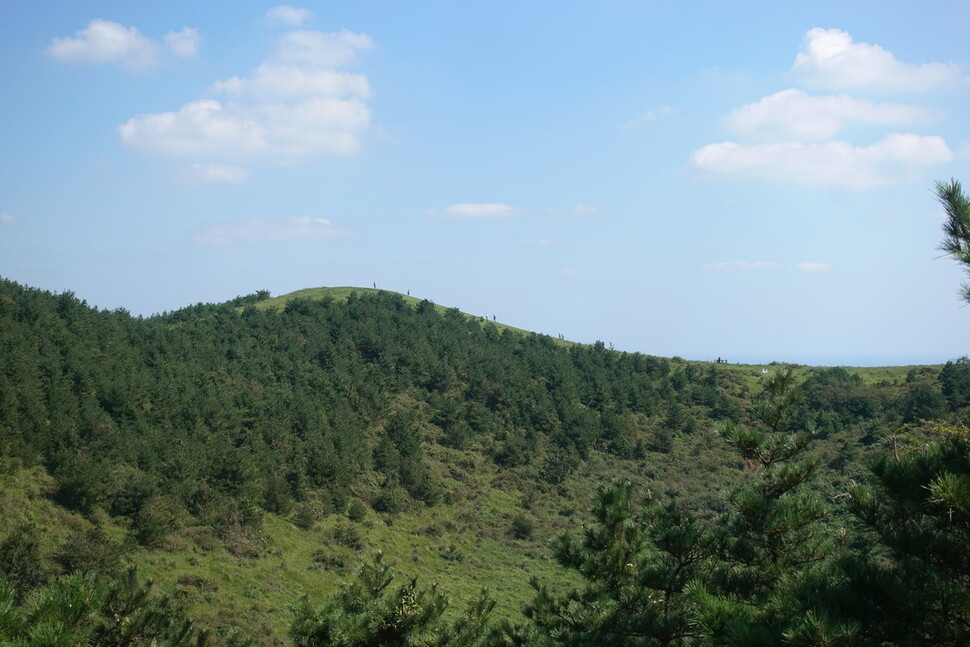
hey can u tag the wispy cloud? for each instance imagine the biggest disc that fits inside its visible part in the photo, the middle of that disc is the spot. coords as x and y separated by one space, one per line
183 43
742 265
288 15
213 173
270 230
829 58
480 210
295 104
473 210
814 267
7 219
834 163
103 41
794 115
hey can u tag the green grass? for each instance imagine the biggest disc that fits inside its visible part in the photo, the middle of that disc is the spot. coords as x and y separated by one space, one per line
341 293
337 294
464 545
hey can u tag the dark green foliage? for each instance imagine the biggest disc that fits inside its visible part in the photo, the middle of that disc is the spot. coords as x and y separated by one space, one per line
522 526
663 576
224 410
91 551
639 564
560 462
924 401
80 482
956 241
771 538
835 399
155 521
955 383
22 562
307 513
391 500
82 609
918 511
369 612
357 510
348 536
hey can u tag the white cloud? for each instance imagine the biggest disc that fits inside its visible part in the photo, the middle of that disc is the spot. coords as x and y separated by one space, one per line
103 41
483 210
288 15
480 210
291 106
320 49
287 82
830 59
793 114
184 43
213 173
240 131
814 267
569 271
262 230
834 163
742 265
7 219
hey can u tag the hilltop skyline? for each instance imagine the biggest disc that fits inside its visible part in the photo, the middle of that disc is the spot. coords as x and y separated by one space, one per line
746 182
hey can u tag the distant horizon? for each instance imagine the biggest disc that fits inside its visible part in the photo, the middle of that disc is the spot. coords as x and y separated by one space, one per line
831 361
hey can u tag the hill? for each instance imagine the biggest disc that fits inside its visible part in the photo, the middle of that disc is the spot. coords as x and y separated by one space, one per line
247 453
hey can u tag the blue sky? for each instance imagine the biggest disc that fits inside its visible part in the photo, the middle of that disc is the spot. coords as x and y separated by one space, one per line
745 180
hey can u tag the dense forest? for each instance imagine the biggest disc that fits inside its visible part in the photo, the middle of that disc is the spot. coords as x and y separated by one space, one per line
801 506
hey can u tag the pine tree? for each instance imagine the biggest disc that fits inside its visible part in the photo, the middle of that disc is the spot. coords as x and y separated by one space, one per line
772 536
913 584
369 612
956 229
83 609
638 563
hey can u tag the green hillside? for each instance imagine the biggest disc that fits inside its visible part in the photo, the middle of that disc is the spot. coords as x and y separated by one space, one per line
246 454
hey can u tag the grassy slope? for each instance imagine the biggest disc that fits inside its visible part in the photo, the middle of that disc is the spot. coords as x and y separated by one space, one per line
464 546
341 294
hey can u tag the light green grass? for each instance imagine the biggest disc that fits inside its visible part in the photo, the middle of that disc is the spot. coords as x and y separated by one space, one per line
464 547
340 294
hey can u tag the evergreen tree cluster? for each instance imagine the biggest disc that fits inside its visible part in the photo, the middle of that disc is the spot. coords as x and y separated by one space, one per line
215 413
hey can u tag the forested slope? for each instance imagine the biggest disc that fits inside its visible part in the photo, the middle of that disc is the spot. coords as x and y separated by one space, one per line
216 406
207 431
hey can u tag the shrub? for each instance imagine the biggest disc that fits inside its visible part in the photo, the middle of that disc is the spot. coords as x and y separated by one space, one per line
356 511
522 527
391 500
90 551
